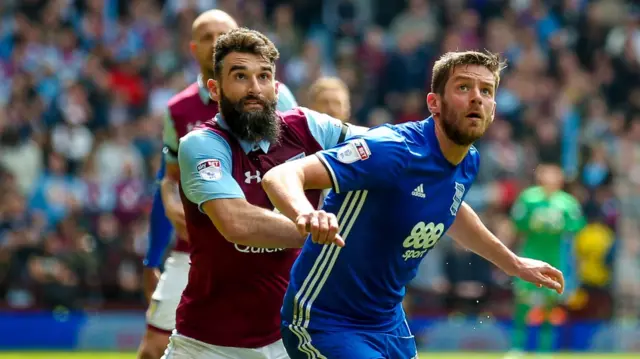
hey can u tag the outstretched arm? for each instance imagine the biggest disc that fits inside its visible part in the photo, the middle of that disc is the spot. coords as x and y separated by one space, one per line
207 181
285 186
470 232
351 166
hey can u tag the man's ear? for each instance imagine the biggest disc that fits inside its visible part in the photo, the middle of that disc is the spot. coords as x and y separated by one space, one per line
214 90
433 103
277 87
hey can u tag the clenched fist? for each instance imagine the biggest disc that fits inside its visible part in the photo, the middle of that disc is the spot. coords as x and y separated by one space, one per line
322 226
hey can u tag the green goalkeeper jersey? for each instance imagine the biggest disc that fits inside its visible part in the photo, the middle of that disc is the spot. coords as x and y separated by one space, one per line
544 221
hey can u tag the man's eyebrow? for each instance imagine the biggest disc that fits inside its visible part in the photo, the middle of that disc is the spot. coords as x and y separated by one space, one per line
237 68
464 77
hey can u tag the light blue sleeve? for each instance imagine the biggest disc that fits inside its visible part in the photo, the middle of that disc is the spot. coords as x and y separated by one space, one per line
327 130
286 100
205 168
374 160
169 139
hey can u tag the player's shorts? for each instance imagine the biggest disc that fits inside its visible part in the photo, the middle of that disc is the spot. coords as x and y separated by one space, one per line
305 344
181 347
161 315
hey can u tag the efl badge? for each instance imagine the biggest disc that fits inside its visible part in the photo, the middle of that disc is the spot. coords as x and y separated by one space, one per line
354 150
210 170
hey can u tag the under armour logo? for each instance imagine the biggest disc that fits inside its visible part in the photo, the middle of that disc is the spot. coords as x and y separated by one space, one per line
249 177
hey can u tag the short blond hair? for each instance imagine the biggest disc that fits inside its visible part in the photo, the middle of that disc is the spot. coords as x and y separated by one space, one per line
326 83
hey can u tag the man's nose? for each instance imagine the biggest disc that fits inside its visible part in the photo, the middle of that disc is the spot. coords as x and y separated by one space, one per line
476 96
254 86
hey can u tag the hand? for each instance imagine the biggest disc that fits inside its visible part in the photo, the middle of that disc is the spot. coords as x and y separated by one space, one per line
323 227
175 214
541 274
150 277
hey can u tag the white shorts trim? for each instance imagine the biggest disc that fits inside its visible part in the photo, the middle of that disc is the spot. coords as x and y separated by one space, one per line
165 299
181 347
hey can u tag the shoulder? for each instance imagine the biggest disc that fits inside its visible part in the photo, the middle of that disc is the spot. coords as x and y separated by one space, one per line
532 194
294 115
384 138
203 139
390 133
568 199
183 97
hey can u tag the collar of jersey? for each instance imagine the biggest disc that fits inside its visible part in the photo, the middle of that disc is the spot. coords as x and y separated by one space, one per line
203 91
246 145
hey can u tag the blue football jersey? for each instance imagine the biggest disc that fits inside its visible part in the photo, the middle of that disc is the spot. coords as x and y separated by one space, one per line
395 195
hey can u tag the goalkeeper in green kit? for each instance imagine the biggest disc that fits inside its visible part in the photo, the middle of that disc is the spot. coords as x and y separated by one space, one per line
543 216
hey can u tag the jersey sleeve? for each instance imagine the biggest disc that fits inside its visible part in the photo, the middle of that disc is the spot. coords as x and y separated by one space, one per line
329 131
374 160
169 139
205 168
520 214
286 100
575 220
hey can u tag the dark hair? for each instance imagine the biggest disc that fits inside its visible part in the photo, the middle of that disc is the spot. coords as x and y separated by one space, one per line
443 68
245 41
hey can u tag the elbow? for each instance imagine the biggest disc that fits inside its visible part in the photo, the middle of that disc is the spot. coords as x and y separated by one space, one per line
269 180
235 233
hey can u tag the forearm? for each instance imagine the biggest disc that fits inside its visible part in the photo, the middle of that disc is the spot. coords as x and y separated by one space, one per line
469 231
285 187
170 192
159 233
258 227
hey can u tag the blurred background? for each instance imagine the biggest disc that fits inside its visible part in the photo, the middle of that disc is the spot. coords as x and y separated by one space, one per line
84 85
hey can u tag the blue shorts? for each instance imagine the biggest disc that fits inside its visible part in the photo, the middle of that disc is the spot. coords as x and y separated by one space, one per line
307 344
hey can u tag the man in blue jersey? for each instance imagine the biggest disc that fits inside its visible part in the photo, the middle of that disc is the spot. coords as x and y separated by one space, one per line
397 189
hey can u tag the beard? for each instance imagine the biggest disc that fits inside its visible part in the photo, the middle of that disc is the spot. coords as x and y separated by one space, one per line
453 125
251 126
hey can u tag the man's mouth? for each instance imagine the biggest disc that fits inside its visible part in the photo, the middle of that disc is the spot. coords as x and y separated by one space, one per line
253 103
474 115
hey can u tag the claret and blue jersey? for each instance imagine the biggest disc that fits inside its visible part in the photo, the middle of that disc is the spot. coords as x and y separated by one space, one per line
394 195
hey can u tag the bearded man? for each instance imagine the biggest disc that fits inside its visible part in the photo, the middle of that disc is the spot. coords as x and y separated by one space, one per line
241 249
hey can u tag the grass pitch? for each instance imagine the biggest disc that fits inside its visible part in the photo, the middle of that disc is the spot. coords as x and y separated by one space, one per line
103 355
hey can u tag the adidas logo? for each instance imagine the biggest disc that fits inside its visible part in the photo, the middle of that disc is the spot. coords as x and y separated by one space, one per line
419 192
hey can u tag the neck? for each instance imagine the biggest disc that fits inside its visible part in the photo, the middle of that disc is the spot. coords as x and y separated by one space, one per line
549 191
453 152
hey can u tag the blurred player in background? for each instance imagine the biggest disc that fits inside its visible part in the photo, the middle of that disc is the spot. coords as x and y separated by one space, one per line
544 215
187 109
396 190
330 95
240 256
